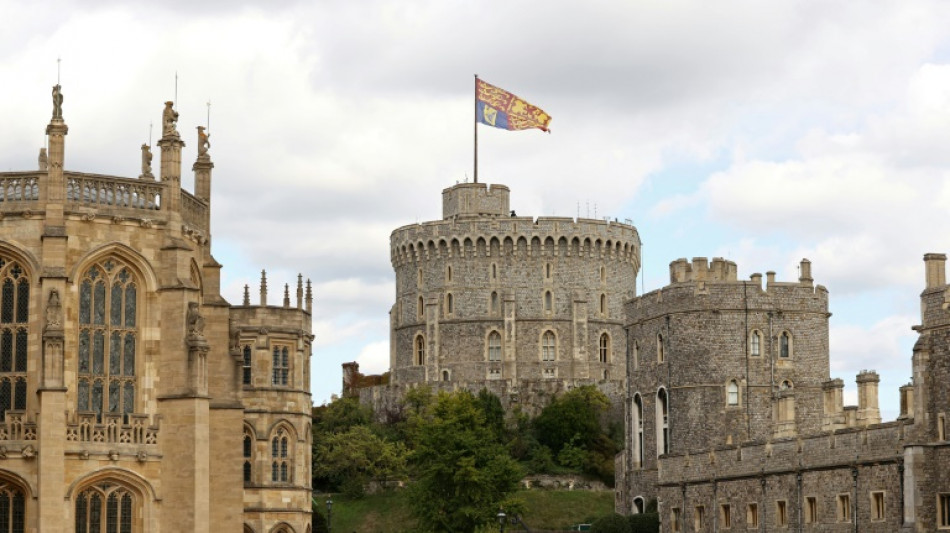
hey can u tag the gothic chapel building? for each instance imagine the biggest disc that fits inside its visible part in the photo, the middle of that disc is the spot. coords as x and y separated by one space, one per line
133 397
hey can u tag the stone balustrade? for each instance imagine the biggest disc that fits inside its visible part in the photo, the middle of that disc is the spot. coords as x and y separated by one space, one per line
19 187
16 427
104 191
194 212
112 429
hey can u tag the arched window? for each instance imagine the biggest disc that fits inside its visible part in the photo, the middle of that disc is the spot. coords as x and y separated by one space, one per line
445 375
638 429
732 393
494 271
420 350
494 346
662 423
281 365
449 304
638 506
246 367
281 452
784 344
14 335
548 346
603 274
419 278
636 355
248 456
448 273
12 508
494 303
785 385
548 301
604 348
105 508
755 343
108 332
420 308
660 348
547 270
603 304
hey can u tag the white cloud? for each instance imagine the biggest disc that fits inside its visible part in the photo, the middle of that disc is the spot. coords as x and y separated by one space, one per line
374 358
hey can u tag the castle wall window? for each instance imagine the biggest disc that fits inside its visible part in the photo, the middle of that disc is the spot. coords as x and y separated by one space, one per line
105 508
494 271
699 518
603 305
636 355
811 510
419 278
248 456
14 335
784 345
449 304
246 366
755 343
603 275
941 427
420 343
732 393
844 508
675 520
781 513
281 365
638 427
547 271
662 423
445 375
548 346
660 349
604 348
448 273
108 298
943 511
638 506
494 346
877 506
280 451
12 508
725 516
752 516
548 301
493 306
420 308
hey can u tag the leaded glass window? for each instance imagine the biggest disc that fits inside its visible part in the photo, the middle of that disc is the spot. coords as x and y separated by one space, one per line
105 508
494 346
548 346
280 457
107 339
247 365
12 508
14 336
281 365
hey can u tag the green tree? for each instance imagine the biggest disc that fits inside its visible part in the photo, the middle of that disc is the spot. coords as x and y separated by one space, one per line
464 473
576 413
613 523
350 459
340 415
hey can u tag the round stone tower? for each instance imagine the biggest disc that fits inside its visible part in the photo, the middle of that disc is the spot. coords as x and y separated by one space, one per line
485 298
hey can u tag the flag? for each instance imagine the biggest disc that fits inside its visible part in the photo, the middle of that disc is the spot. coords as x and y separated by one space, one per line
501 109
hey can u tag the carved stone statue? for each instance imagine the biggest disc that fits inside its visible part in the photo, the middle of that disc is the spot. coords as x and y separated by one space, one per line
57 102
196 323
43 160
203 143
169 120
147 161
54 311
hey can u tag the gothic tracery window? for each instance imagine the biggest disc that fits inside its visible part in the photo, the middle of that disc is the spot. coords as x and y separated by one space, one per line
281 365
108 297
246 366
105 508
248 456
280 457
494 346
604 348
14 335
548 346
12 508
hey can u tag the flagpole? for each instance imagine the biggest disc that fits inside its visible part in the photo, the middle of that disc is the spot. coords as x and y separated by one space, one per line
476 128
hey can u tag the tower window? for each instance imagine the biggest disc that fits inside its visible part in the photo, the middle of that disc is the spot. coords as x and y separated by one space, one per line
420 308
877 506
420 350
844 507
732 393
784 343
755 344
725 516
494 346
604 348
281 365
662 422
660 348
638 427
449 304
14 335
280 457
752 516
603 304
246 366
548 301
548 346
248 455
943 510
811 510
493 306
781 513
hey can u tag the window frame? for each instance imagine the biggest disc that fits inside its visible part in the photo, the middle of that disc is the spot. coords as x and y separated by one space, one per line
492 348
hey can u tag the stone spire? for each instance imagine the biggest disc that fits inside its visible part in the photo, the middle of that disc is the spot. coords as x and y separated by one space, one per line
263 288
171 145
309 298
43 160
299 291
286 295
56 185
247 295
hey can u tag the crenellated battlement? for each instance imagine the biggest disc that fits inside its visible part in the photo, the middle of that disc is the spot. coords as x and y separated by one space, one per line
475 200
515 236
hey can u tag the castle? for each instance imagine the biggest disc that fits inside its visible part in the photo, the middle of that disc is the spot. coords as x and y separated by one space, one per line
133 397
524 307
734 423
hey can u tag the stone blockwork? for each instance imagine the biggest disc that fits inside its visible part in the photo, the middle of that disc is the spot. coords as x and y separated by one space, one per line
520 305
121 369
755 434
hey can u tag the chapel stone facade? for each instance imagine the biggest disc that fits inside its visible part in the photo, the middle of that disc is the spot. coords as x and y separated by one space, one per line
734 423
133 397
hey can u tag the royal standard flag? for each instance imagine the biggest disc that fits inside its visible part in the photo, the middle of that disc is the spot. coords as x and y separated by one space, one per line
501 109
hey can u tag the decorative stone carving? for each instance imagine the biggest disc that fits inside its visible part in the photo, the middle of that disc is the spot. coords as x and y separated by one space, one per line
113 455
54 311
147 162
84 455
43 160
141 456
196 323
203 143
28 452
57 102
169 120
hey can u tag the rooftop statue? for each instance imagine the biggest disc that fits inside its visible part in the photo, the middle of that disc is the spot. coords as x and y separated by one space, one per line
146 161
169 120
57 102
203 143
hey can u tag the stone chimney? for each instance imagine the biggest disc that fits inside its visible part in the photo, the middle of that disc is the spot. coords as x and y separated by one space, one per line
868 411
936 270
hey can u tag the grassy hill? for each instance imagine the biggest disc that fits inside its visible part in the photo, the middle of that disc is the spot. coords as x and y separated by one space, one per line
388 512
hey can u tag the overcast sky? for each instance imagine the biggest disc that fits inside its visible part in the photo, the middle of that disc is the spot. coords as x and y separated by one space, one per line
763 132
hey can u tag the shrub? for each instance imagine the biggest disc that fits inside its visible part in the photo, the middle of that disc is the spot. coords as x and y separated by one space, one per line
614 523
644 523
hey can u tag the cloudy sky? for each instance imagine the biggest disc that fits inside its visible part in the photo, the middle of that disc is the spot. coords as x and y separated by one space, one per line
763 132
